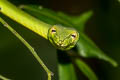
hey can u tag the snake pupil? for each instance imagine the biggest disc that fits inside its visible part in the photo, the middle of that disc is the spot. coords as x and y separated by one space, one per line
73 36
53 30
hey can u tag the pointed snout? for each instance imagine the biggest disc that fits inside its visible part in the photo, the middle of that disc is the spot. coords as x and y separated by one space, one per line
60 43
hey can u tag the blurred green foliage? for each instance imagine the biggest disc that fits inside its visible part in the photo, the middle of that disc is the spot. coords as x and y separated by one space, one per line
57 18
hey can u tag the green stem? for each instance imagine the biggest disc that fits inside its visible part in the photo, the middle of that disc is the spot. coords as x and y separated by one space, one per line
23 18
49 73
3 78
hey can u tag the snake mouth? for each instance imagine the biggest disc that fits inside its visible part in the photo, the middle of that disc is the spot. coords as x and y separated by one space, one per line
60 45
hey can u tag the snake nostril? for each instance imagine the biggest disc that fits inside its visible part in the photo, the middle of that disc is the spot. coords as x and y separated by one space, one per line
60 42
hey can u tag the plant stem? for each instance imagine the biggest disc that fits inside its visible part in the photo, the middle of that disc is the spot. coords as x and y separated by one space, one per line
49 73
3 78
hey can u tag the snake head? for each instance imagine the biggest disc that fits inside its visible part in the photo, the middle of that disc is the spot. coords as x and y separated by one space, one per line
63 38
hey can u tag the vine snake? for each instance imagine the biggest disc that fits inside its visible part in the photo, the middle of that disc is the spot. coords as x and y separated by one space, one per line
63 38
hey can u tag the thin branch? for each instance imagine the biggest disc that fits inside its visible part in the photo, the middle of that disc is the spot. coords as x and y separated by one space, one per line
3 78
31 49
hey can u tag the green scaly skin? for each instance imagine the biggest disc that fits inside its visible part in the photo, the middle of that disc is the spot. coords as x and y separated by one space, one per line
61 37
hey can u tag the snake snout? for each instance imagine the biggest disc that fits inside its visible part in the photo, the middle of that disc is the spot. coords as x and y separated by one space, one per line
61 43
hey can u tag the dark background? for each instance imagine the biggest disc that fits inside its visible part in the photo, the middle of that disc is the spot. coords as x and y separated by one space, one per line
17 63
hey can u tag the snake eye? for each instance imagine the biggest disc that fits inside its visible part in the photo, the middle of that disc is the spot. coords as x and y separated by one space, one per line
73 36
53 30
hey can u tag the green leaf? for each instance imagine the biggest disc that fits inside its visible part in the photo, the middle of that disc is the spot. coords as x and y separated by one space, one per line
81 20
66 72
78 21
64 16
44 12
87 48
86 70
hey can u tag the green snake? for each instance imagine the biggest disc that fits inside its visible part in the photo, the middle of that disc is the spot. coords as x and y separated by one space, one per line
63 38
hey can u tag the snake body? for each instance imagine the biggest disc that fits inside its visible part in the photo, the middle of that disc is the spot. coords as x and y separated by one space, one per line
63 38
